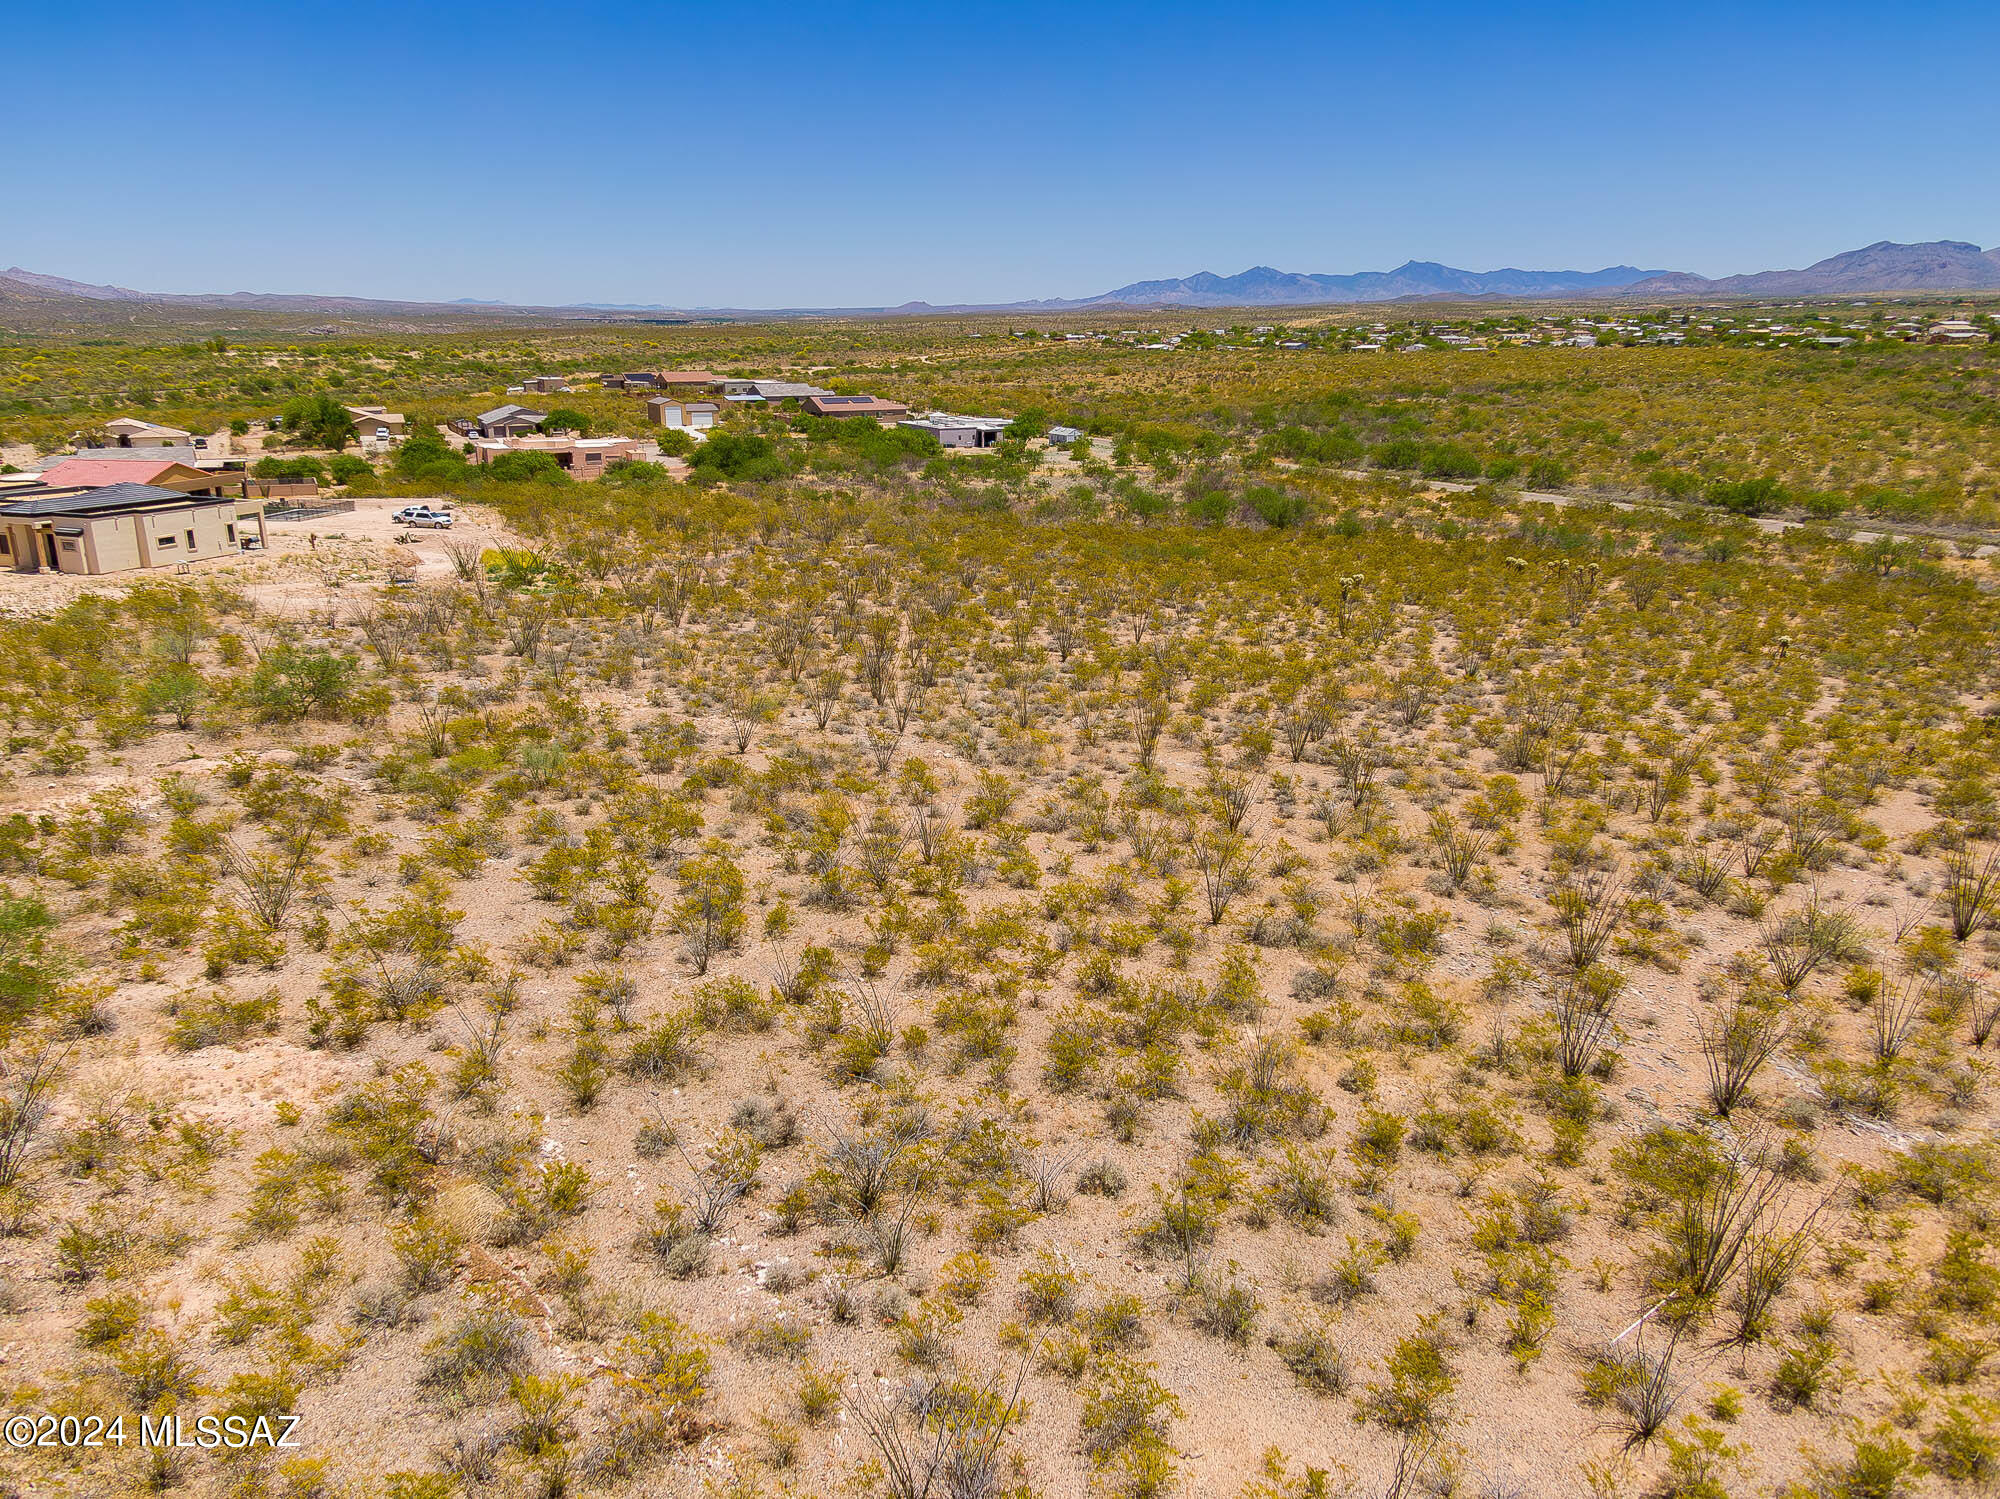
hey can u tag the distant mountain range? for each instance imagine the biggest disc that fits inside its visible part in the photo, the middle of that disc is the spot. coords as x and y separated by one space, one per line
1938 265
1262 286
1935 266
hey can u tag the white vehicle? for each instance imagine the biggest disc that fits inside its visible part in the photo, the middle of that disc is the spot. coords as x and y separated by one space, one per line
423 517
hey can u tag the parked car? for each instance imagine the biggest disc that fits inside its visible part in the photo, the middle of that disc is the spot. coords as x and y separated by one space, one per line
422 517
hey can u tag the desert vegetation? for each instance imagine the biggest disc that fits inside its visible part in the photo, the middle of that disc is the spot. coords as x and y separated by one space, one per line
863 970
1879 428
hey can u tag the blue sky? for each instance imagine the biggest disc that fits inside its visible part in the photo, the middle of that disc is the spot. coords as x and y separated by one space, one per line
866 154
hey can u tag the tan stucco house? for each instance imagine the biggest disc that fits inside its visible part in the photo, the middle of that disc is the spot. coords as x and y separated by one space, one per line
131 432
579 457
376 422
666 411
120 527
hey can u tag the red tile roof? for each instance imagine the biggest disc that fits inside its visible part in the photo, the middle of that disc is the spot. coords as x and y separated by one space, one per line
93 473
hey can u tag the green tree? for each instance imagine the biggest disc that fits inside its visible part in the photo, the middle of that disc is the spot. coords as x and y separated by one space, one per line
710 910
31 966
428 456
514 468
1029 421
567 419
290 684
739 455
177 689
289 468
319 419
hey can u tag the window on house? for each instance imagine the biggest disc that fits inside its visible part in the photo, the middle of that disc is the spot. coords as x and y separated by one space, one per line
169 540
190 541
6 545
230 531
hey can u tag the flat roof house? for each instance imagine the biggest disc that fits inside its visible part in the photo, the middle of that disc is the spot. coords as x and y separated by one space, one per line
545 384
686 379
579 457
767 390
960 431
669 411
120 527
508 421
875 406
785 390
130 432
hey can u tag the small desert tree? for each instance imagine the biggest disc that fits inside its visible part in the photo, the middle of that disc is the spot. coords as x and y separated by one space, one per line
709 912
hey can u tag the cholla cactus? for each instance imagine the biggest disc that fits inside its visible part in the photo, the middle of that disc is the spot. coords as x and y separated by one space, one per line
1350 588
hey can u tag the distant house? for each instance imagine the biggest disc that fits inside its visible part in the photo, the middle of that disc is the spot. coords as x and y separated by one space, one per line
579 457
960 431
508 421
120 527
376 423
1065 436
768 390
130 432
875 406
640 380
1953 331
685 379
668 411
164 473
545 384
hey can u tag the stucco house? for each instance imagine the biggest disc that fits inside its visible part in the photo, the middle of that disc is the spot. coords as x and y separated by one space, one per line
120 527
376 423
667 411
131 432
165 473
508 421
960 431
579 457
766 390
875 406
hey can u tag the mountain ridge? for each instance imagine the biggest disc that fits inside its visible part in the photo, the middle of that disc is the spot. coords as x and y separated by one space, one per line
1885 266
1265 285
